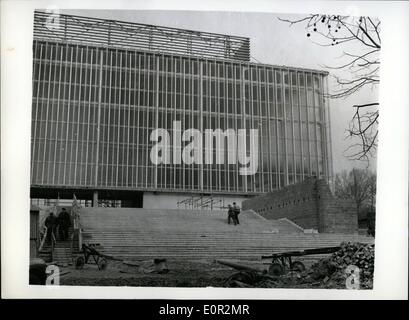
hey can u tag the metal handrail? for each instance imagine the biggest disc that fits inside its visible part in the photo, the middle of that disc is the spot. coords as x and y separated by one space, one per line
53 240
202 202
43 239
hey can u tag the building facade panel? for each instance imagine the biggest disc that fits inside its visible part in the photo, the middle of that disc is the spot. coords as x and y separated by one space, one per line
94 110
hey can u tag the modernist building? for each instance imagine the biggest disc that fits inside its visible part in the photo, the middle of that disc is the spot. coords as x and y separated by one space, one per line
100 87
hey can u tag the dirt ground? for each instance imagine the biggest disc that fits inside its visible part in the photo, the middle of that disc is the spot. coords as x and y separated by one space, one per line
321 271
182 273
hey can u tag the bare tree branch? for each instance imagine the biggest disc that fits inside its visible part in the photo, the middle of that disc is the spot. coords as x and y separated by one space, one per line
362 68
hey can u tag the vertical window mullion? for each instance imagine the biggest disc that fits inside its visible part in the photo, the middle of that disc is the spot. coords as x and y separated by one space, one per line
261 130
283 102
46 117
128 146
300 120
67 85
37 123
57 137
200 94
73 74
291 103
89 66
146 89
155 168
278 169
119 117
315 105
308 124
267 129
138 69
182 95
78 118
108 124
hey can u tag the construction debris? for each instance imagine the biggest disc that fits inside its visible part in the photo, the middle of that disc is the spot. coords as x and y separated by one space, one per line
151 266
329 272
250 279
247 277
237 266
333 269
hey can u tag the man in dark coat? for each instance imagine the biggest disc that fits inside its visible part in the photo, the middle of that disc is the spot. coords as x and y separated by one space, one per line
51 223
236 212
230 215
64 223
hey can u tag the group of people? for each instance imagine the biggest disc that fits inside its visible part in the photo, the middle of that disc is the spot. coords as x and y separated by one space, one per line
233 214
60 224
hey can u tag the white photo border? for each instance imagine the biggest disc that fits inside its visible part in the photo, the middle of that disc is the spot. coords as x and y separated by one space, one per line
391 242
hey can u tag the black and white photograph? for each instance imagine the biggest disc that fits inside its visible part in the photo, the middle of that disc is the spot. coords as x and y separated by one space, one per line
203 148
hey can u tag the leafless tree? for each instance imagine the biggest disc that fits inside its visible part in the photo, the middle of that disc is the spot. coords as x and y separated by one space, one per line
358 70
358 185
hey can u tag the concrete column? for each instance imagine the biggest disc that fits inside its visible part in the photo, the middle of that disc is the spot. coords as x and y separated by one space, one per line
95 199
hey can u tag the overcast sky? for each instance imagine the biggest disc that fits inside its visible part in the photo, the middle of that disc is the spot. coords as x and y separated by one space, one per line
271 42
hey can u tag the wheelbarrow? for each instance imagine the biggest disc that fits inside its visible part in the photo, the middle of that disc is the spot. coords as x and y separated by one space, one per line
88 252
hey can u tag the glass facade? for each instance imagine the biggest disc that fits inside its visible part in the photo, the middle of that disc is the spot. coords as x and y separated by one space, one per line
95 108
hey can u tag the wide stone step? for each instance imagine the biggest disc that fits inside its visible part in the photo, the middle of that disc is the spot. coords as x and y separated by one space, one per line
150 237
187 234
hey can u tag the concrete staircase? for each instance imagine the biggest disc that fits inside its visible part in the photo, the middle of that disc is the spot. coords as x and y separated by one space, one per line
130 233
45 253
63 250
62 253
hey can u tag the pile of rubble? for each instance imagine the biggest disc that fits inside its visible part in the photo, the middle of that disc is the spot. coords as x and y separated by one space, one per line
352 264
333 271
